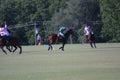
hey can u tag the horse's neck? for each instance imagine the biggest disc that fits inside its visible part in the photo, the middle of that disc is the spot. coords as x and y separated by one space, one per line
67 34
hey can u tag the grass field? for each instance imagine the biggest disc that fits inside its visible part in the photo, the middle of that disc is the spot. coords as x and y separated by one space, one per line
77 62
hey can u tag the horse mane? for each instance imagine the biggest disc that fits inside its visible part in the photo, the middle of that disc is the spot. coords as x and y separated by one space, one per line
68 32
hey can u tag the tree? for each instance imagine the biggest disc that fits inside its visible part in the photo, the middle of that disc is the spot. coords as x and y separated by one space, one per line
17 12
110 12
77 13
53 12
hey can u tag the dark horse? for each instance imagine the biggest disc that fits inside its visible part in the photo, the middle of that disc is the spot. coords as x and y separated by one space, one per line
91 40
13 42
53 39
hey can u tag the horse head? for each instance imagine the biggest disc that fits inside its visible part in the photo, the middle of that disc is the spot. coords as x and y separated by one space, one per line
69 32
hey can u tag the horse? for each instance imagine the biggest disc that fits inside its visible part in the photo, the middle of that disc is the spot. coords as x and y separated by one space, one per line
13 42
54 39
91 40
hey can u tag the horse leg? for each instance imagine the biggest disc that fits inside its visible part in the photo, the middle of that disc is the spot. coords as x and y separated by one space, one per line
94 44
20 49
62 47
14 49
8 47
91 43
3 50
11 48
50 47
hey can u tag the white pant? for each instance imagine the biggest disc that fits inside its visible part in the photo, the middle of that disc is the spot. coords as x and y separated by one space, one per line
4 33
60 34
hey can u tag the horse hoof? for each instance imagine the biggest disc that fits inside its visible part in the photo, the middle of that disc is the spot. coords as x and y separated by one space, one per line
48 49
62 49
20 53
6 53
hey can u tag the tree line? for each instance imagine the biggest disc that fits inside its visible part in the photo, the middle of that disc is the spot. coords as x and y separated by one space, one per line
102 15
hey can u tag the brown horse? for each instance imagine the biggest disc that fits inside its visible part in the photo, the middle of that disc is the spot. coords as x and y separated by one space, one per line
13 42
53 39
91 40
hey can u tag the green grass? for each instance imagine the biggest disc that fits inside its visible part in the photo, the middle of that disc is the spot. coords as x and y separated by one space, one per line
77 62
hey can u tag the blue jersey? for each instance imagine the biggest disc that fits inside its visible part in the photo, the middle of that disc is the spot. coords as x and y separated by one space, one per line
62 29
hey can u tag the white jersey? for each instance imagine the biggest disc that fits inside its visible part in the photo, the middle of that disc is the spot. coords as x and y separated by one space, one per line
4 32
87 31
38 37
